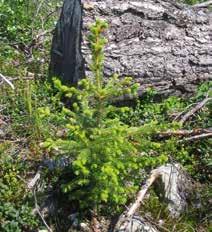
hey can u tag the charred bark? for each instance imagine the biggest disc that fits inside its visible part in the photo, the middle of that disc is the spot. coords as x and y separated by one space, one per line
161 44
66 58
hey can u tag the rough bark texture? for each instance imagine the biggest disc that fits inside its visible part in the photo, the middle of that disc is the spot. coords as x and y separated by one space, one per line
159 43
66 58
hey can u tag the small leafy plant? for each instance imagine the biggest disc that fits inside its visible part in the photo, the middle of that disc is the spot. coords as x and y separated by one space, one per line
106 153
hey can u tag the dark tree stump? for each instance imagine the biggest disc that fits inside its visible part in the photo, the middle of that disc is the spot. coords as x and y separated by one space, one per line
161 44
66 59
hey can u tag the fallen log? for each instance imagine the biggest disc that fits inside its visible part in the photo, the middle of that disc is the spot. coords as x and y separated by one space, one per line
161 44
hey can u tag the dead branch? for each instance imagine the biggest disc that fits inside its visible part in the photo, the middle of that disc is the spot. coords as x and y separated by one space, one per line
184 133
13 141
7 81
34 180
203 4
194 110
177 116
27 78
37 209
142 193
31 185
139 199
197 137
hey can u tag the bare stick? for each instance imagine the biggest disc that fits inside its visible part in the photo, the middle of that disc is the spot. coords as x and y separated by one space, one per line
197 137
203 4
139 199
31 185
29 76
194 110
12 141
33 182
7 81
181 133
141 194
37 208
183 112
21 78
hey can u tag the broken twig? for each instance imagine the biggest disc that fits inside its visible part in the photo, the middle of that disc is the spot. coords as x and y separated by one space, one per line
33 182
139 199
184 133
197 137
194 110
7 81
141 194
37 208
203 4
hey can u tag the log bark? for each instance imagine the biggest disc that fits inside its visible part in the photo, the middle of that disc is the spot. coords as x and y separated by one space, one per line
160 43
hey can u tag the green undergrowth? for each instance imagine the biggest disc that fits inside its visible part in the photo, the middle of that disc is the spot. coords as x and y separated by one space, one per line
16 204
39 126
